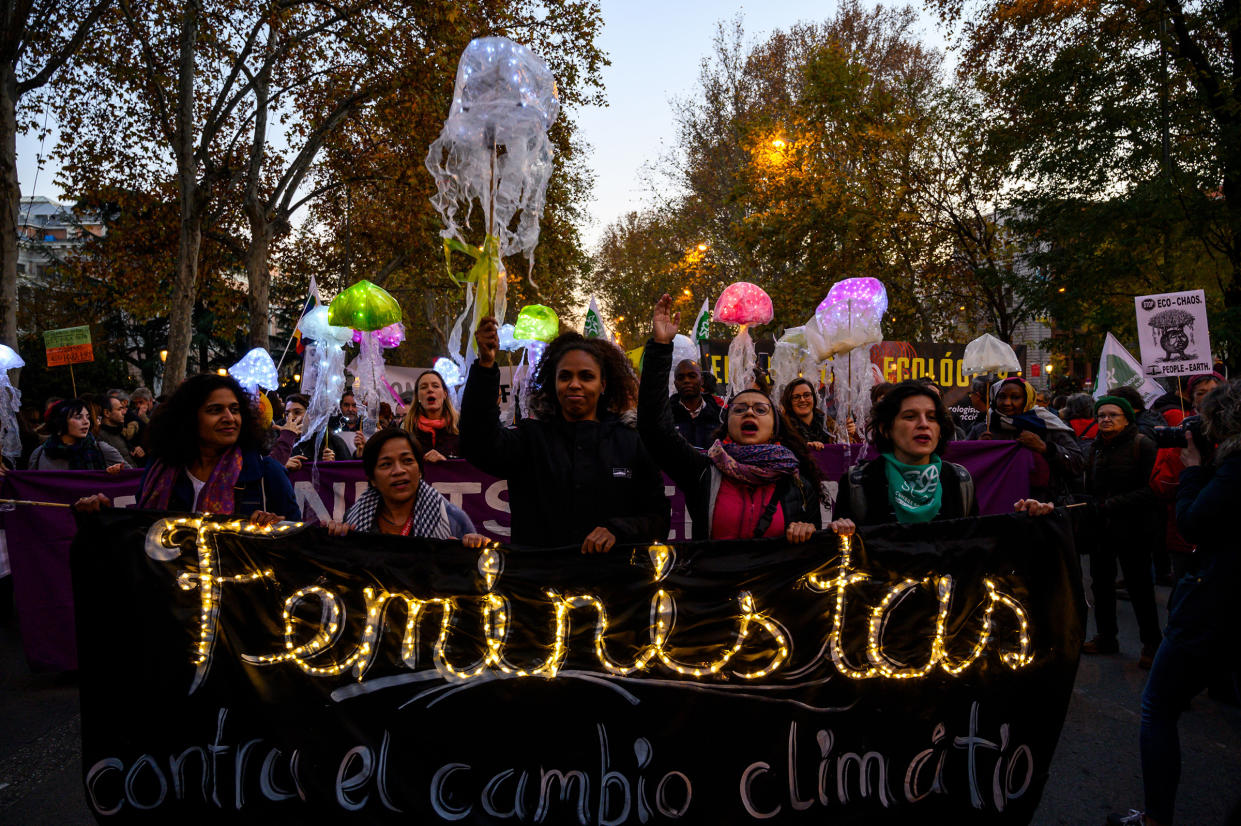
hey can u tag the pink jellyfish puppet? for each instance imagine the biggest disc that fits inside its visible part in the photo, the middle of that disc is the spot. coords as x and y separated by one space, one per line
742 303
846 325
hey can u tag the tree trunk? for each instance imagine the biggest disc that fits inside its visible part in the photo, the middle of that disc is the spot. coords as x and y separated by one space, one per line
184 290
10 206
258 300
185 285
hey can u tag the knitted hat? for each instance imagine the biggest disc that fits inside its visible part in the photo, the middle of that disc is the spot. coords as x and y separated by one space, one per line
1123 404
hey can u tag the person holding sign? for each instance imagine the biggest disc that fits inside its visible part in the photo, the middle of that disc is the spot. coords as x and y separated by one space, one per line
910 482
1059 458
71 446
204 451
399 500
755 480
577 474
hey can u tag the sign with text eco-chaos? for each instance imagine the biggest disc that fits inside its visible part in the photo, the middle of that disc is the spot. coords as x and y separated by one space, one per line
1172 332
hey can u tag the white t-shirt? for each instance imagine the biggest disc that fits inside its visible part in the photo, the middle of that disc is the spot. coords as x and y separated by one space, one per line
198 484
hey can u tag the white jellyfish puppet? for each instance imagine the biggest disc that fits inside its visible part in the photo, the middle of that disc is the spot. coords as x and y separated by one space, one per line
493 151
846 325
329 374
10 404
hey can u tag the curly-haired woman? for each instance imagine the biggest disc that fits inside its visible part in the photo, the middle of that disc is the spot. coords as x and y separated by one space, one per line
204 450
577 474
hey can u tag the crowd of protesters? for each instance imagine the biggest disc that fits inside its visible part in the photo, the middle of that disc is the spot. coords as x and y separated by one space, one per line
584 462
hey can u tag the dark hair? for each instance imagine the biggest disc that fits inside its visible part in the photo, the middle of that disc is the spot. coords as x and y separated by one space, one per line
1079 406
298 398
375 445
347 394
883 414
1131 395
178 416
1059 402
58 416
786 397
980 385
880 390
620 386
1221 411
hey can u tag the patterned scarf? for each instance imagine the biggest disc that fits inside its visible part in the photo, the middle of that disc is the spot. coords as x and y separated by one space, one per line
753 464
430 512
1038 420
914 490
217 493
83 454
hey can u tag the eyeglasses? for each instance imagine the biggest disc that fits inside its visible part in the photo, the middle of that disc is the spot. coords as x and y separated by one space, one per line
759 408
802 397
1109 416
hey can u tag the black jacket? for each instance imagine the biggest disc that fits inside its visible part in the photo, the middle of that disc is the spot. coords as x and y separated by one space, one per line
693 472
1202 613
698 430
564 478
956 481
816 431
1118 473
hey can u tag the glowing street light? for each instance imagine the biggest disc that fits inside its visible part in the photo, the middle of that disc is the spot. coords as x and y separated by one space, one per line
703 247
778 144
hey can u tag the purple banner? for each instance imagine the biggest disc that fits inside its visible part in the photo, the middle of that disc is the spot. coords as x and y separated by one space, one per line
38 537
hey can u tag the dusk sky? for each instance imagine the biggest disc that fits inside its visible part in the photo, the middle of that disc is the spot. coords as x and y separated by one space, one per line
656 48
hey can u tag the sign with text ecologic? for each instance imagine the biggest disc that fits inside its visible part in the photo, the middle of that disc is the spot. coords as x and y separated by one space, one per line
1172 332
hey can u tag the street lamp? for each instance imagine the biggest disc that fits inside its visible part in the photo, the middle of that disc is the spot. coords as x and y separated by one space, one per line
163 355
702 247
777 143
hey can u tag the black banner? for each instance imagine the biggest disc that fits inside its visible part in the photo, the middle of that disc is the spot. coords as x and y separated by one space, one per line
915 674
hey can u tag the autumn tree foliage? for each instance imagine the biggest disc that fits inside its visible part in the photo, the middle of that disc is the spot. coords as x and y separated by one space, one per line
1123 122
821 153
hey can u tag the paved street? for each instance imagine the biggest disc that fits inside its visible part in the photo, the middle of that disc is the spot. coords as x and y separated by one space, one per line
1095 770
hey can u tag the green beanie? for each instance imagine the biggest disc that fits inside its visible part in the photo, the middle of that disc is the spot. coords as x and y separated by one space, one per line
1123 404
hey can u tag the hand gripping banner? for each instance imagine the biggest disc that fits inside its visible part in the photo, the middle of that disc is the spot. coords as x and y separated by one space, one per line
910 674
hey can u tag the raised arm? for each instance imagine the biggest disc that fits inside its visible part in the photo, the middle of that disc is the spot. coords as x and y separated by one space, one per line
677 457
484 442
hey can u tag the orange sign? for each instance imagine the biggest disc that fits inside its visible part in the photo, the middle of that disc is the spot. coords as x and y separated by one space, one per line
70 345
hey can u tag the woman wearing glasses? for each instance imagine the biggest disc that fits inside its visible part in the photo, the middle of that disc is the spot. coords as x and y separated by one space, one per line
1118 472
799 404
755 480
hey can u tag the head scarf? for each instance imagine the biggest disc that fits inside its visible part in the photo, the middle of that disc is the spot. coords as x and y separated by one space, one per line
1038 420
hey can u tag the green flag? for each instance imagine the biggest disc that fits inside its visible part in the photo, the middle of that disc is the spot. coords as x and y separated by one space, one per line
1118 368
702 324
593 327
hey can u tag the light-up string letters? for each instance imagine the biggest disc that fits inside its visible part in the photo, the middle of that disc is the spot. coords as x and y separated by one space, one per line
756 634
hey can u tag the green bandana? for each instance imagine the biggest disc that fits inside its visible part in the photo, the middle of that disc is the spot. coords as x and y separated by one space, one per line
913 490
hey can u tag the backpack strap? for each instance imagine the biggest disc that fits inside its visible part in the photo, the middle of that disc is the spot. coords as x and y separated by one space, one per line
966 482
857 494
769 512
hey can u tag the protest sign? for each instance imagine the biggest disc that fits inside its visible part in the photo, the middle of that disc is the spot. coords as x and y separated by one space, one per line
941 363
914 674
70 345
38 538
1172 333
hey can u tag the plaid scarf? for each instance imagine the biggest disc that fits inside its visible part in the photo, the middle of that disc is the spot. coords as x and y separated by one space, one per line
430 512
753 464
217 493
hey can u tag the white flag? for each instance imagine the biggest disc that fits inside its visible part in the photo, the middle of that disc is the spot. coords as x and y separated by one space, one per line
702 323
593 326
1117 368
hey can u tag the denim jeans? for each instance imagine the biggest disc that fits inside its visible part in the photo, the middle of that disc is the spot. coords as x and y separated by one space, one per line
1177 675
